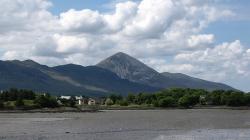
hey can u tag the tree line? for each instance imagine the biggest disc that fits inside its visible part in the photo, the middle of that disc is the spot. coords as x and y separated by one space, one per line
26 99
176 97
179 97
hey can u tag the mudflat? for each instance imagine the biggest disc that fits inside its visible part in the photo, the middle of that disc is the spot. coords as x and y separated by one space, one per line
196 124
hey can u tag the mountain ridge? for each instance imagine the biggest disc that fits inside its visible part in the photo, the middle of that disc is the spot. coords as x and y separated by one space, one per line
191 82
141 73
119 73
41 78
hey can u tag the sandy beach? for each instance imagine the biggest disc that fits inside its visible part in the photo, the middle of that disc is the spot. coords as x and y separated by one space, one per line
128 125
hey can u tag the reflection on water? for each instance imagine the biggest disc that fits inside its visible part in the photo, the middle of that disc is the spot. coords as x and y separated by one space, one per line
221 134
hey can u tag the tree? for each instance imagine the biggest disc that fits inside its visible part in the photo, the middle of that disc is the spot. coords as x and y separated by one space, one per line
177 93
155 103
123 103
144 98
65 102
72 101
14 94
26 94
188 101
115 98
109 102
215 98
131 98
235 99
46 101
19 103
247 99
1 104
184 102
167 102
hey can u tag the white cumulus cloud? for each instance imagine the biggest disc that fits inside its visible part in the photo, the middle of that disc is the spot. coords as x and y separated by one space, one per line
200 40
165 34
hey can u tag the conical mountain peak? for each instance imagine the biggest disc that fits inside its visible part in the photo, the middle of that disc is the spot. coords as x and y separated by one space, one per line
120 56
127 67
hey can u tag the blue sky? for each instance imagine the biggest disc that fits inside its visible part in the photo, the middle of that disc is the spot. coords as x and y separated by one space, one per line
208 39
228 30
64 5
236 28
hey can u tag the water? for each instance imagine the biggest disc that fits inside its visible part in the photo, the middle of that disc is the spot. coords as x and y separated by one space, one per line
128 125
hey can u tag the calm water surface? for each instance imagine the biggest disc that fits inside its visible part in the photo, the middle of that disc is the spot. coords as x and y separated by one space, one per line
128 125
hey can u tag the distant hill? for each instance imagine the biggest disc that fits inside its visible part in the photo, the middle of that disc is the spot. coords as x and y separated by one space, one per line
99 79
120 73
16 74
191 82
67 79
127 67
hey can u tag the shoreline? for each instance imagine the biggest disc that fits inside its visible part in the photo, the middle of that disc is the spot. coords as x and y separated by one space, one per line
103 109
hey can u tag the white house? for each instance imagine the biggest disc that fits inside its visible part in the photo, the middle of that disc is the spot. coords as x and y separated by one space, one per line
79 100
78 97
91 101
65 97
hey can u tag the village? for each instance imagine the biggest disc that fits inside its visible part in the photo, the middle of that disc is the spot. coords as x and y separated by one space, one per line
80 100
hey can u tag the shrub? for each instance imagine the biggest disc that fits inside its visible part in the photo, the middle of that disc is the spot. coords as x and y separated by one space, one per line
235 99
183 101
215 98
14 94
123 103
188 101
109 102
156 103
72 101
144 98
64 102
115 98
167 102
1 104
247 99
19 103
131 98
46 101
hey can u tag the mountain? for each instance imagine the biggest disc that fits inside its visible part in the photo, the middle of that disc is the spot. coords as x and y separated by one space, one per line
66 79
119 73
127 67
16 74
95 78
192 82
